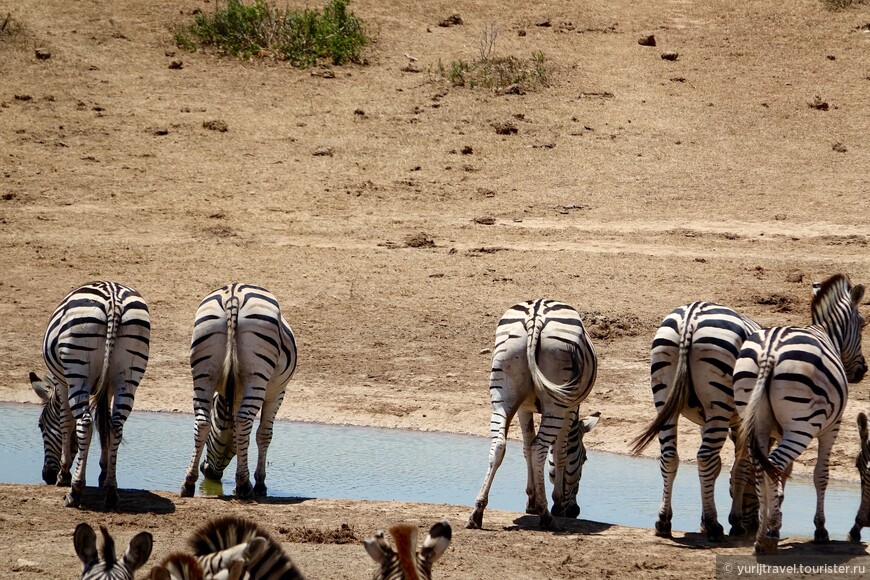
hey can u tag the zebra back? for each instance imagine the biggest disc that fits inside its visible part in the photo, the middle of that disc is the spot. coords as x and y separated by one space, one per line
405 562
109 567
215 542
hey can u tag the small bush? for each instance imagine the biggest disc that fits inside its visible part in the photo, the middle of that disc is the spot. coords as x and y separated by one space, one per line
260 29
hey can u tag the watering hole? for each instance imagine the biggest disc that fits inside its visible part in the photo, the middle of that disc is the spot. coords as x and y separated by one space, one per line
365 463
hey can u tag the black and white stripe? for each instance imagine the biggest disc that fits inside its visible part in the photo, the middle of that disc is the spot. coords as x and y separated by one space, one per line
862 463
229 547
543 362
109 567
791 385
406 562
242 354
691 365
96 349
574 454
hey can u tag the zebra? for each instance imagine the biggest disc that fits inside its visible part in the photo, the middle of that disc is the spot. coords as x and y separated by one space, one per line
229 547
862 462
537 342
791 384
405 562
691 365
109 567
96 349
575 457
242 354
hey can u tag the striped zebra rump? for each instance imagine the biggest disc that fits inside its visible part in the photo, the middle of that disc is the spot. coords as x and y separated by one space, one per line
96 348
862 463
405 562
791 385
242 355
107 566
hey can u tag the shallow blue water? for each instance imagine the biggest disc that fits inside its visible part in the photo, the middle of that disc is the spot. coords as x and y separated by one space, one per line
313 460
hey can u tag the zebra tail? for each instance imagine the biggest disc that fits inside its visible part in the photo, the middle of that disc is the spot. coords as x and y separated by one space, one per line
102 392
230 368
747 434
565 394
678 397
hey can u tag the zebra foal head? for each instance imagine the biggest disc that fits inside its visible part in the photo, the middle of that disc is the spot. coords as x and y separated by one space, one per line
109 567
835 308
405 562
49 424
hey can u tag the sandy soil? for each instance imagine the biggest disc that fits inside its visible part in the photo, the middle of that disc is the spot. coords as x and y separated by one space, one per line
632 185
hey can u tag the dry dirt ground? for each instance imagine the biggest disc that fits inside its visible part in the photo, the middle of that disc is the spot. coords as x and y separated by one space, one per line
633 184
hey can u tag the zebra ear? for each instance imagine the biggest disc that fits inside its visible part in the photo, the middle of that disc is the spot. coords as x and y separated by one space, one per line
589 423
857 294
377 547
42 390
437 541
85 542
160 573
139 551
254 549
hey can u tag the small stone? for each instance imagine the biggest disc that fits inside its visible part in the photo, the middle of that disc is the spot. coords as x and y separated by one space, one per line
505 128
159 131
795 277
176 64
649 40
323 152
838 147
452 20
485 220
43 54
670 55
215 125
419 240
467 150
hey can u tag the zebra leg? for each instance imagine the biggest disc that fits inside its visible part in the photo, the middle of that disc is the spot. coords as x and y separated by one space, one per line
243 425
742 487
820 479
527 427
548 432
559 463
68 442
202 425
669 461
264 438
84 430
498 426
713 436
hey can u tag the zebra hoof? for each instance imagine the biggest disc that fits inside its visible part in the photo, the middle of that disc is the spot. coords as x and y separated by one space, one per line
821 537
112 497
558 510
737 531
766 546
475 520
260 489
663 529
244 491
188 489
855 533
714 530
72 499
64 480
547 521
572 511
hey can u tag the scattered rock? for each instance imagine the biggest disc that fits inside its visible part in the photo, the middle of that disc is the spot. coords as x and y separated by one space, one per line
323 152
486 192
486 220
505 128
23 98
521 32
513 89
544 23
467 150
158 130
795 277
780 217
548 145
818 104
169 53
359 112
419 240
8 196
452 20
838 147
42 54
670 55
215 125
485 351
780 302
649 40
176 64
325 74
831 57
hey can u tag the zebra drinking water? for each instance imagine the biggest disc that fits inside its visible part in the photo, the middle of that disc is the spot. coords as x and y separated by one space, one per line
109 567
538 342
862 462
691 364
405 562
96 349
791 385
241 356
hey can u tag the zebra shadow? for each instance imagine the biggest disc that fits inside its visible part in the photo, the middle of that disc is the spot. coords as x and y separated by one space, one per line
131 501
562 525
699 541
259 500
801 547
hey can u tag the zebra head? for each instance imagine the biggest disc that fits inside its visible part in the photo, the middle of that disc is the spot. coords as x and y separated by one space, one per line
229 564
575 458
405 563
835 308
49 424
109 567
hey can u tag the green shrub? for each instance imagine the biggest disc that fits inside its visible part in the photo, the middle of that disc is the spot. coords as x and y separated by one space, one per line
302 37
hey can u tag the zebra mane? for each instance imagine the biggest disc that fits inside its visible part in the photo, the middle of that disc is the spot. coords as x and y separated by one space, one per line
109 557
180 565
405 539
827 294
